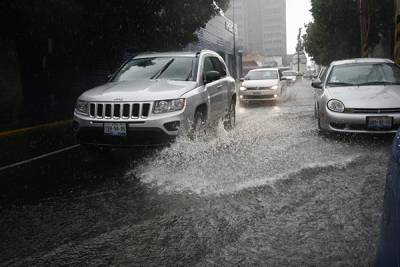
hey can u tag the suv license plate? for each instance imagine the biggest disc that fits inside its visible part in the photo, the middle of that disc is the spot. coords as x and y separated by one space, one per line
380 122
115 129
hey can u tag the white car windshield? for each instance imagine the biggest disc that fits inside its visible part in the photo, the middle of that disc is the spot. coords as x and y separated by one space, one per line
262 75
364 74
169 68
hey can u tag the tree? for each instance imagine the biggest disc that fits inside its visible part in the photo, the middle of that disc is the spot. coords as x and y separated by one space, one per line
335 32
60 43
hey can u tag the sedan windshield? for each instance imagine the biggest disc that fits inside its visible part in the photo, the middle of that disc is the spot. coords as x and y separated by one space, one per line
365 74
169 68
262 75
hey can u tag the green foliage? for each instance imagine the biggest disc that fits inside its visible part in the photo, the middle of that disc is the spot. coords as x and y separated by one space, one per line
335 32
80 29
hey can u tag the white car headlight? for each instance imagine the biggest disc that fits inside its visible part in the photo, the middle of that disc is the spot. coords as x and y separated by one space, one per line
242 88
82 107
166 106
275 87
336 106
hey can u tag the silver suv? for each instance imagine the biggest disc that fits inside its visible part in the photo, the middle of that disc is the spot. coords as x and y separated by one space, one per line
154 97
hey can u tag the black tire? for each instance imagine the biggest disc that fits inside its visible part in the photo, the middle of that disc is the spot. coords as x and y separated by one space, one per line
320 130
230 117
198 129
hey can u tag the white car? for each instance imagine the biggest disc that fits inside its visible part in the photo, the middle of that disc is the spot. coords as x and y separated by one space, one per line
359 96
291 76
154 97
262 85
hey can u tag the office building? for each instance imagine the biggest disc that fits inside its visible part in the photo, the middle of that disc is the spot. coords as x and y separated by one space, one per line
261 25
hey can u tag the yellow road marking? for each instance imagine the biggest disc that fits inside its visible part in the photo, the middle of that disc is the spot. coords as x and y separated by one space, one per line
24 130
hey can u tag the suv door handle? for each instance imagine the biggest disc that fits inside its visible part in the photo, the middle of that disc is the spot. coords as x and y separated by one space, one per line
220 86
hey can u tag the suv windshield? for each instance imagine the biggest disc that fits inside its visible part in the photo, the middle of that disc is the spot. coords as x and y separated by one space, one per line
262 75
365 74
169 68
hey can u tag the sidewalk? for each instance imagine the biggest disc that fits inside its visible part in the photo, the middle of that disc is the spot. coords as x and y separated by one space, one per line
22 144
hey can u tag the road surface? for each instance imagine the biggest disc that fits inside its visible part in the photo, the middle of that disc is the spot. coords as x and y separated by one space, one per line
273 192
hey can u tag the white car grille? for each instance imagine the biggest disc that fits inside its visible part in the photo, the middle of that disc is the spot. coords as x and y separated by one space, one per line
119 111
377 111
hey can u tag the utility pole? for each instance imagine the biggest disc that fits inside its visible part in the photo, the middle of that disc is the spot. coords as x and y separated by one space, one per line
299 48
234 39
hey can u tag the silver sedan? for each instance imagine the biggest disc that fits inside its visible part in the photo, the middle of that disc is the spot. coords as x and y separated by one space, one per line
359 96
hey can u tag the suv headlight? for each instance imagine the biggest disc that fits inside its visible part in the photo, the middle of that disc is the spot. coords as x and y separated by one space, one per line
275 87
166 106
82 107
242 88
336 106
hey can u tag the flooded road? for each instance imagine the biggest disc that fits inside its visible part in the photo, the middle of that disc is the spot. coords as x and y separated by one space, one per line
273 192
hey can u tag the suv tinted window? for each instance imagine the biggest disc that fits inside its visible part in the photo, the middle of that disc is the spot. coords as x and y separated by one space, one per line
219 66
208 66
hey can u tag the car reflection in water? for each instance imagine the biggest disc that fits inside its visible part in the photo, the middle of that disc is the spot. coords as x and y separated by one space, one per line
389 250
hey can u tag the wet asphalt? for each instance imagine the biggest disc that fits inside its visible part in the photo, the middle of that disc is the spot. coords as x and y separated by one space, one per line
273 192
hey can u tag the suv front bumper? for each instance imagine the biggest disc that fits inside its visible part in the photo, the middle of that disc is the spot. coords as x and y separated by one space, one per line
154 130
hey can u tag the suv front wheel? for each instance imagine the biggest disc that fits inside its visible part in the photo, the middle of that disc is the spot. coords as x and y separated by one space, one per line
230 117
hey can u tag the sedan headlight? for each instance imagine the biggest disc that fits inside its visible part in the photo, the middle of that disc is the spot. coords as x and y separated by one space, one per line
336 106
242 88
166 106
275 87
82 107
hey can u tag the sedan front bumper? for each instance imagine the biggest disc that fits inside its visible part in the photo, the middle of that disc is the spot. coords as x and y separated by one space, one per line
259 95
355 122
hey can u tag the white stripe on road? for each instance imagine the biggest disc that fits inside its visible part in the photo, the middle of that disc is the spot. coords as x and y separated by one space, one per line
38 158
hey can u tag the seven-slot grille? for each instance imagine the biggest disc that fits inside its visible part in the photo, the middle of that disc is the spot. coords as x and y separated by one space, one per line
118 111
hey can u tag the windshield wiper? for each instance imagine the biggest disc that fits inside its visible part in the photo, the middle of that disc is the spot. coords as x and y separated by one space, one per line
158 74
379 83
340 84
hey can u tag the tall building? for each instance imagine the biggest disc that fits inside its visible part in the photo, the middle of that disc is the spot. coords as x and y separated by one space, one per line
261 25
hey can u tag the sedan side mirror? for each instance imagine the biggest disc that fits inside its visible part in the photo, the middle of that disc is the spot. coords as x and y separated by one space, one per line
212 76
317 84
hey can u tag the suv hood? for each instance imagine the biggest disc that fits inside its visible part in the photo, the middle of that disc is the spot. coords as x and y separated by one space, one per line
139 90
261 83
374 97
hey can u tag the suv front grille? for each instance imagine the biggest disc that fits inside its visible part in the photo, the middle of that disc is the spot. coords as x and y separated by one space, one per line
120 111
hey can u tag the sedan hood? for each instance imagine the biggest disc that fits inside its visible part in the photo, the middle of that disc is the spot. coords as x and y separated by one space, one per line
374 97
139 90
261 83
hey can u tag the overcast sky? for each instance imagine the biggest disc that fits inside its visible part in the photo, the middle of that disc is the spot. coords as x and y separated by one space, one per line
297 14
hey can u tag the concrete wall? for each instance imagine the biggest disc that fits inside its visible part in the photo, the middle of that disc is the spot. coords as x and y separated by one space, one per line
10 86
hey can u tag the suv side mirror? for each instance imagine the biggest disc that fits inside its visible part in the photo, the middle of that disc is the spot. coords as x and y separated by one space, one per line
317 84
241 79
212 76
284 78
